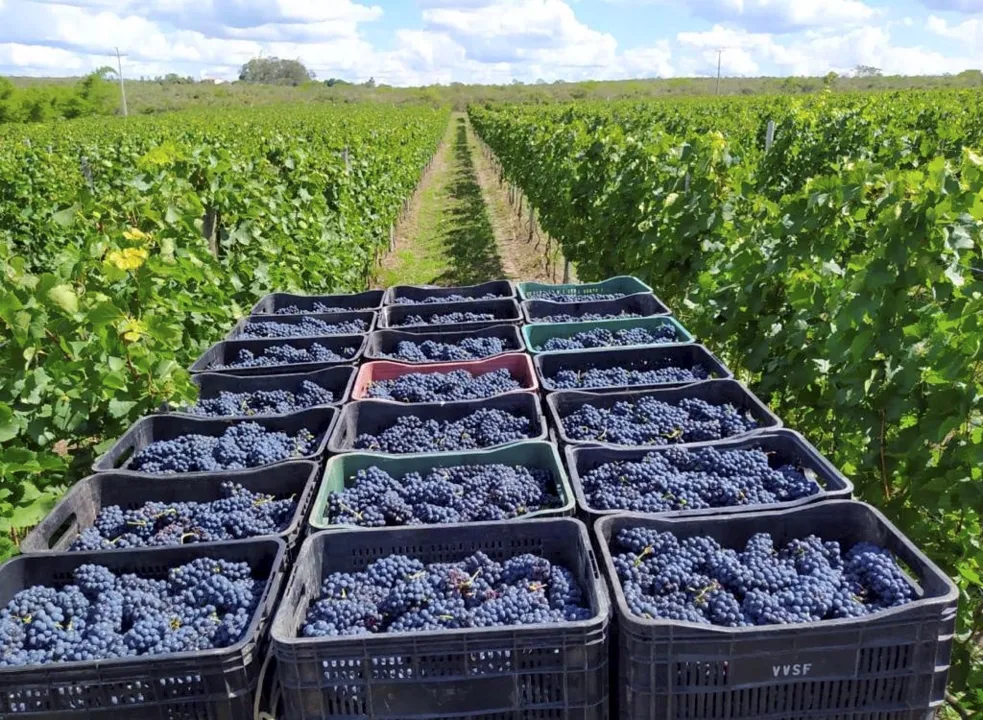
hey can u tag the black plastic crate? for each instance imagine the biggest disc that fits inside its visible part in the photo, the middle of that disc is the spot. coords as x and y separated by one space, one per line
227 351
419 293
644 305
373 416
730 392
890 666
684 356
782 447
505 311
338 379
150 429
369 300
383 342
203 685
532 671
81 505
368 317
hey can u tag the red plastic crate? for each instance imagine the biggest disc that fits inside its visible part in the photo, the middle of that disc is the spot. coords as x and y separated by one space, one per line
518 364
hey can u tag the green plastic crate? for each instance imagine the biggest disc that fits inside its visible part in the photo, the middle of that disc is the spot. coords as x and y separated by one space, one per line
536 336
533 453
623 284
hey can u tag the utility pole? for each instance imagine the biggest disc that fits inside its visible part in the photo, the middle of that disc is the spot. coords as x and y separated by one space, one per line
720 56
122 86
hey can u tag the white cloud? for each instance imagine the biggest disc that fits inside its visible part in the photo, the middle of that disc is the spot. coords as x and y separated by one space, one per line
775 15
968 32
965 6
817 54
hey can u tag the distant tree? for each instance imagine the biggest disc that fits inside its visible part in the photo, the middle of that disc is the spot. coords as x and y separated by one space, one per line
331 82
105 71
866 71
274 71
370 83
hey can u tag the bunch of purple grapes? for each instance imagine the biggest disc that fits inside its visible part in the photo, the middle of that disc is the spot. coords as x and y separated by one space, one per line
262 402
443 387
602 337
402 594
205 604
287 355
696 580
481 429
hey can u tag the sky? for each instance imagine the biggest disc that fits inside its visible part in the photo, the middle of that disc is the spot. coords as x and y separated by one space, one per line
421 42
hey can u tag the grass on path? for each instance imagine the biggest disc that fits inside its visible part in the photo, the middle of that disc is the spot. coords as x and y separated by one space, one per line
448 238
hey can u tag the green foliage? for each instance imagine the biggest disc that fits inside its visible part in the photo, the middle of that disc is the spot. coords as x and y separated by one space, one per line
274 70
91 95
109 289
841 273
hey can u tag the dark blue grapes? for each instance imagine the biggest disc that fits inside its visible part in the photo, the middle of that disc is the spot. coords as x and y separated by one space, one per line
641 373
602 337
481 429
401 594
306 327
472 348
241 446
263 402
808 580
683 479
432 299
572 297
317 308
586 317
287 355
463 493
440 387
237 514
454 318
648 421
202 605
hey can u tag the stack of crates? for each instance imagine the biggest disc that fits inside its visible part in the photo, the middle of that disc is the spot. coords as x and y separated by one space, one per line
888 666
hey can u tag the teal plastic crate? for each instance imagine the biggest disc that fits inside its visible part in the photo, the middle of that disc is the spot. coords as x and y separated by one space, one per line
534 453
536 336
621 285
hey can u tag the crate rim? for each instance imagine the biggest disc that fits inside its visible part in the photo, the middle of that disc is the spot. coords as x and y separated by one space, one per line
587 396
522 286
603 616
353 371
249 637
547 385
371 355
565 486
529 320
633 623
313 456
571 452
363 339
389 297
385 315
297 318
297 523
688 337
412 408
303 297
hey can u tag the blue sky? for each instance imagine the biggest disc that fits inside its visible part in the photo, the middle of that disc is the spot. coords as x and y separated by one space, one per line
416 42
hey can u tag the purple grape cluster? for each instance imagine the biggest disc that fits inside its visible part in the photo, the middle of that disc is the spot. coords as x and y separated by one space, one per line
241 446
237 514
318 308
639 373
602 337
481 429
572 297
463 493
287 355
648 421
682 479
443 387
432 299
202 605
472 348
263 402
807 580
402 594
587 317
306 327
454 318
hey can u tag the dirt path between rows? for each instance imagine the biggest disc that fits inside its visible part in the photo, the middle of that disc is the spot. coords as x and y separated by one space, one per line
460 229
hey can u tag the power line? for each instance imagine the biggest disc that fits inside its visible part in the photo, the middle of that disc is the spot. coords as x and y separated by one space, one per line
122 86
